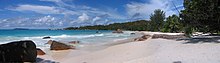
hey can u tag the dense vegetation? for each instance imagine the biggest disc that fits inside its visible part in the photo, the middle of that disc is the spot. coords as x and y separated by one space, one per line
201 15
173 24
158 22
140 25
198 16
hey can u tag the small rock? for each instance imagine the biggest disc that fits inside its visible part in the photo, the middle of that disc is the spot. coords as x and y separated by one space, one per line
177 62
132 33
46 37
40 52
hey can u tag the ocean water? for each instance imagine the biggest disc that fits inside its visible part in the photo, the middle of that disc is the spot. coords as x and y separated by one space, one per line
84 36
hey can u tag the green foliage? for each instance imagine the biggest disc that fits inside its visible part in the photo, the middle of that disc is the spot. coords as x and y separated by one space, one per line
140 25
188 31
157 20
202 15
172 24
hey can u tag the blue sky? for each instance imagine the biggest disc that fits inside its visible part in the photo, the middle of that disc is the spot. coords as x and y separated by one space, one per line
66 13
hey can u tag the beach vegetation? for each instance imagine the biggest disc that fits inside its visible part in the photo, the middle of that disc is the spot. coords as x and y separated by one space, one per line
172 24
157 20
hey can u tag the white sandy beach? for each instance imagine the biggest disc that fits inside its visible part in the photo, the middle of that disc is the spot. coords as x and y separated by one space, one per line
149 51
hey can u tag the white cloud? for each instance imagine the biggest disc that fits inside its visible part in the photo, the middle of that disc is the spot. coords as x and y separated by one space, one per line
43 9
83 17
96 18
60 3
111 12
44 21
77 15
72 13
145 9
51 0
37 9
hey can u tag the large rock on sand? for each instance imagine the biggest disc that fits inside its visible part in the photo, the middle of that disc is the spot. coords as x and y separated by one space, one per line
60 46
164 36
40 52
18 51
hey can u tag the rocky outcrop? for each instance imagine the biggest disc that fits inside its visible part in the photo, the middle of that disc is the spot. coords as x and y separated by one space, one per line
46 37
60 46
142 38
164 36
118 31
40 52
18 51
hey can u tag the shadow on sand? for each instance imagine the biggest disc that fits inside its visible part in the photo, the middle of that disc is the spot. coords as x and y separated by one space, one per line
204 39
40 60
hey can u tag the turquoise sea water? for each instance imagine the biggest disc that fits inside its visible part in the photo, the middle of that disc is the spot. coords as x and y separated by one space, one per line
84 36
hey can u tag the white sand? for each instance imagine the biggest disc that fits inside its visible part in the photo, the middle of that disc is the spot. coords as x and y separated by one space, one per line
149 51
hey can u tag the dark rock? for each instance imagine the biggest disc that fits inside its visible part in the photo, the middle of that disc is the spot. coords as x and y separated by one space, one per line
40 60
18 51
60 46
146 36
46 37
164 36
142 38
74 42
98 32
177 62
132 33
40 52
118 31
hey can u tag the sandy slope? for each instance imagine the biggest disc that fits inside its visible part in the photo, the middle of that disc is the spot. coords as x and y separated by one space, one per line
170 51
115 54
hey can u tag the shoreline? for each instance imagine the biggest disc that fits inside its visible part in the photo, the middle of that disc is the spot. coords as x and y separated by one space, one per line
63 54
86 49
155 50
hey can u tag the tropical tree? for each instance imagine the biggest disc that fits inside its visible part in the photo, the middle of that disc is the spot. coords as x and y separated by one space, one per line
157 20
172 24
